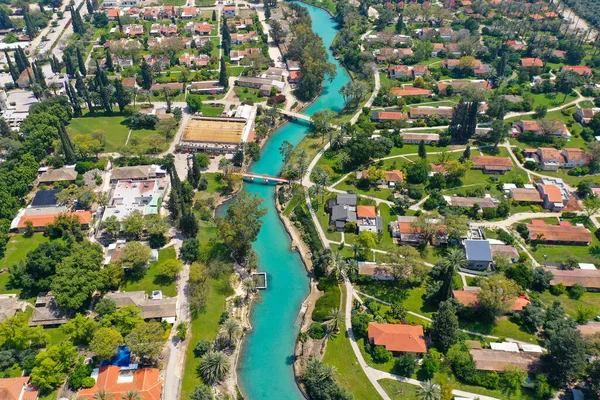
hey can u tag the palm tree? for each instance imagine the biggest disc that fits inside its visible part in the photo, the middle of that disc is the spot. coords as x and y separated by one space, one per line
455 259
131 395
335 315
351 267
213 367
249 286
429 391
103 394
339 265
232 329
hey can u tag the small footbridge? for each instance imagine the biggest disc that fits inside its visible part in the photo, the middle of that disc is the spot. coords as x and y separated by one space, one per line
264 178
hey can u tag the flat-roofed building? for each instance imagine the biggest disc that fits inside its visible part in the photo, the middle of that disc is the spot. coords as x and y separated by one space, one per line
128 196
424 112
416 138
565 233
221 135
590 279
498 360
492 165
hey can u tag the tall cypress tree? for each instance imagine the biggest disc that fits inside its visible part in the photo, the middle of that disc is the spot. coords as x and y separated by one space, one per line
39 75
14 74
196 171
223 80
90 7
71 71
83 92
56 64
119 23
226 40
72 94
24 57
109 61
81 63
120 96
214 15
146 75
31 28
67 145
101 78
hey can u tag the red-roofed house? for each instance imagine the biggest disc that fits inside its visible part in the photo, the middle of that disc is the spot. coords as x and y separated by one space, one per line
382 116
469 298
398 338
17 389
531 62
391 178
459 85
368 220
113 13
420 70
516 45
146 382
584 115
492 165
189 12
579 69
40 221
410 91
559 234
554 200
399 71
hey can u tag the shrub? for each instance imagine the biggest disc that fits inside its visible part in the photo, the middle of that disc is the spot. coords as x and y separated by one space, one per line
381 355
88 382
576 291
329 300
558 289
406 364
317 330
202 347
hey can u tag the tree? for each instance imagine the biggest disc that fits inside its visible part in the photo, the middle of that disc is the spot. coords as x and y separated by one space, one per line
406 264
190 250
223 79
429 391
121 96
497 294
189 224
277 32
541 279
131 395
591 205
444 328
500 131
81 62
540 111
133 224
52 366
321 121
135 255
406 364
213 367
106 342
80 329
319 381
194 102
168 270
542 388
105 306
456 226
146 75
566 355
422 150
202 392
566 82
240 227
124 319
418 172
511 381
146 340
232 329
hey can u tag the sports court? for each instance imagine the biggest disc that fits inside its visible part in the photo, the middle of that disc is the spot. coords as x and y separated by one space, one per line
213 131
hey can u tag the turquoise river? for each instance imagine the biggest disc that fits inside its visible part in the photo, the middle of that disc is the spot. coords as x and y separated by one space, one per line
265 369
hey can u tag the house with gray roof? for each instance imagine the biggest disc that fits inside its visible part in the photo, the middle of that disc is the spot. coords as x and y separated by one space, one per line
10 305
342 210
163 308
478 254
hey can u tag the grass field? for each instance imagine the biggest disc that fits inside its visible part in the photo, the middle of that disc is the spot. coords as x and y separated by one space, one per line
235 70
18 246
150 281
590 299
211 111
205 327
552 100
503 328
113 127
349 373
399 390
249 94
380 193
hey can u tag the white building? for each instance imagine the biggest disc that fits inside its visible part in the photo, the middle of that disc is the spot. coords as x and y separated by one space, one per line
128 196
15 106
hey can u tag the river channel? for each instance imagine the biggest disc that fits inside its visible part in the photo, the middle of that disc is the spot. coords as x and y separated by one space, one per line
265 369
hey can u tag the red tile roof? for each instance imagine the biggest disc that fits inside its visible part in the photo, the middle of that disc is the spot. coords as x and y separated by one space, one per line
11 389
389 116
589 278
146 382
42 220
469 298
366 212
398 337
553 193
531 62
555 233
410 91
491 161
580 69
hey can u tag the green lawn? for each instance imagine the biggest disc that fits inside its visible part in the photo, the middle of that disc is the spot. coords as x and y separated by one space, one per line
590 299
552 100
349 374
330 300
56 335
504 328
387 366
211 111
389 292
551 253
380 193
235 70
150 281
113 127
249 94
205 327
174 2
399 390
16 250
